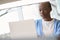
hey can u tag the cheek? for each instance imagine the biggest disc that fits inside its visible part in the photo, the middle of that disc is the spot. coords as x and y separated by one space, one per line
47 12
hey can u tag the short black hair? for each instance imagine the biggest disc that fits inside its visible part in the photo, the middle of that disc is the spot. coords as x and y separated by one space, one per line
48 3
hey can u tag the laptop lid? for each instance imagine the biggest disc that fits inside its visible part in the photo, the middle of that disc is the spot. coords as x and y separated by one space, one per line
23 29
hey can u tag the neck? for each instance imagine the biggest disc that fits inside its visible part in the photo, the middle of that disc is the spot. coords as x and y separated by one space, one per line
48 19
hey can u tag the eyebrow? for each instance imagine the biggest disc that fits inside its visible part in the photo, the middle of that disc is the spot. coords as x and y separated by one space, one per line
44 7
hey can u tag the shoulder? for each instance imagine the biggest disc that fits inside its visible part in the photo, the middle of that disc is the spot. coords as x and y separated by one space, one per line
38 21
57 22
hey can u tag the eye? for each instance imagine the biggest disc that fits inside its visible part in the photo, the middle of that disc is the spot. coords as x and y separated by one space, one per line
39 9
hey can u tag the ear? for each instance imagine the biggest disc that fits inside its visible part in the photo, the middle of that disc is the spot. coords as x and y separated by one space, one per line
50 9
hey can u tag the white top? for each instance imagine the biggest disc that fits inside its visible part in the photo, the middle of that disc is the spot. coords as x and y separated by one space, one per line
48 27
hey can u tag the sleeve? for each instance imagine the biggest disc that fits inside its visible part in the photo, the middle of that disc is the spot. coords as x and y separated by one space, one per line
58 28
37 27
36 24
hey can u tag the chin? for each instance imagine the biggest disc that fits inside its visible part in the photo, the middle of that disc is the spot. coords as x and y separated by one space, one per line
44 17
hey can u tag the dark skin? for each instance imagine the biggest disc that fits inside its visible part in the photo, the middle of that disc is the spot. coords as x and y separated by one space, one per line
45 11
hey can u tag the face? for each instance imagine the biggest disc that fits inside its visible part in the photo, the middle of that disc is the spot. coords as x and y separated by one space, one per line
44 9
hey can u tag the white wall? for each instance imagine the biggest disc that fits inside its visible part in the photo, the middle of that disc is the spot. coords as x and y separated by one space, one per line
31 11
55 9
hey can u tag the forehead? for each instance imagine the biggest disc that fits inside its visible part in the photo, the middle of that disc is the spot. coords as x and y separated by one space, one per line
44 4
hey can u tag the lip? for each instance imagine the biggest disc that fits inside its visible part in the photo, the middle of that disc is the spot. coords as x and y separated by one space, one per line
42 15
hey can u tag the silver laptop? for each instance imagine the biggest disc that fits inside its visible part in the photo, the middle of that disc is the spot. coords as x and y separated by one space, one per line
23 29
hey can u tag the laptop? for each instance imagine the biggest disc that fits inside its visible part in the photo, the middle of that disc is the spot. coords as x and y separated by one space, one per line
23 29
